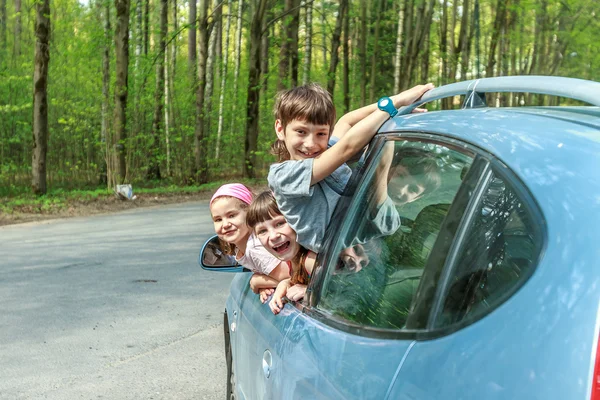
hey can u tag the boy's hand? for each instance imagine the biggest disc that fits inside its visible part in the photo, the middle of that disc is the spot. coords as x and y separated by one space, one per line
264 294
411 95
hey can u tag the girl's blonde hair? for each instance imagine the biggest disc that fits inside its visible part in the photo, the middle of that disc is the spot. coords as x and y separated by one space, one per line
310 103
264 208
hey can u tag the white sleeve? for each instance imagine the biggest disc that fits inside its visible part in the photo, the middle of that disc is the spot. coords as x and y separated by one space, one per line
263 261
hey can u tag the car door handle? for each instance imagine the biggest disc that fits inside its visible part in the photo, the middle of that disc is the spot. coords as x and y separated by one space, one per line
266 363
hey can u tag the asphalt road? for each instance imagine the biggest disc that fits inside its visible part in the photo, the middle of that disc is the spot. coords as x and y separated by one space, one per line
111 307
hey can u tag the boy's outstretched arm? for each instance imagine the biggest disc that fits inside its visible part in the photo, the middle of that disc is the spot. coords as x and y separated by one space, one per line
351 118
359 135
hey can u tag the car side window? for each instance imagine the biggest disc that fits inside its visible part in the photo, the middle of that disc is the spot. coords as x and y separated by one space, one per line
499 252
389 233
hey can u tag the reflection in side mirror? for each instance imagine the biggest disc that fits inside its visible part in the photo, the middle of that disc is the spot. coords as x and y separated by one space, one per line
213 258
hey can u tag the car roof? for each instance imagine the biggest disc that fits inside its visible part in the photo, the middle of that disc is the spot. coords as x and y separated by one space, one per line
555 151
516 135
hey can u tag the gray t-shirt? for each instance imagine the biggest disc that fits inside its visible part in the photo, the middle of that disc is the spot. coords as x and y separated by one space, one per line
308 209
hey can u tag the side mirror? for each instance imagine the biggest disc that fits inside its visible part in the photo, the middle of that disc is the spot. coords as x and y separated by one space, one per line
212 258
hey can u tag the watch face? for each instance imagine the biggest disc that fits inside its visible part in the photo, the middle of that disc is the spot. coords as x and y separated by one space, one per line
384 102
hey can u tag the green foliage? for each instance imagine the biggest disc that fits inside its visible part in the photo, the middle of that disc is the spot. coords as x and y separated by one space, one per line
563 35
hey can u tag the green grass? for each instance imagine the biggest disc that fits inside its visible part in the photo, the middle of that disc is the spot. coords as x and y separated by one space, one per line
60 198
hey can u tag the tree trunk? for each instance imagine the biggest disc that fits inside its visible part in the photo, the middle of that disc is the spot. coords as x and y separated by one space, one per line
3 29
200 142
167 109
223 81
146 27
362 52
210 68
17 42
307 43
236 67
121 86
284 52
160 94
139 40
192 41
374 60
106 168
293 48
324 32
399 39
346 70
173 64
463 40
251 126
40 97
498 23
264 56
335 44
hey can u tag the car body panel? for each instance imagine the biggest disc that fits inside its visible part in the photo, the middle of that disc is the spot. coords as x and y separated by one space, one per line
256 331
321 362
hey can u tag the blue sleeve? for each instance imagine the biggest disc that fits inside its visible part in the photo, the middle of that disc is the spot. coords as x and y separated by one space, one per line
291 178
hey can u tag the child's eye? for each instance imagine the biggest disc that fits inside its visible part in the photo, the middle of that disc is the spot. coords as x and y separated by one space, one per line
260 232
280 224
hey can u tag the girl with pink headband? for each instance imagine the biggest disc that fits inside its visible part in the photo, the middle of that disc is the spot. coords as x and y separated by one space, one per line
228 207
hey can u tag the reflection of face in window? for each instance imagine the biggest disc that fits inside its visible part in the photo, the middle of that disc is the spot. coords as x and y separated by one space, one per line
411 181
353 259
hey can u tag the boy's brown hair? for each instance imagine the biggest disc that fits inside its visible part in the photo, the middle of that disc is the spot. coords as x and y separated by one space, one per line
310 103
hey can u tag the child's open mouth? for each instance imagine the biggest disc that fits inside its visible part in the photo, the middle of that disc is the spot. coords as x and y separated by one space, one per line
282 248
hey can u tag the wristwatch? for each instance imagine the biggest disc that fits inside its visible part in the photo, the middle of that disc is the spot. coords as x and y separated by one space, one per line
386 104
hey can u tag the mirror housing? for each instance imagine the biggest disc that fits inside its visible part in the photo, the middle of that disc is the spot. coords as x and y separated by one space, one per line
212 258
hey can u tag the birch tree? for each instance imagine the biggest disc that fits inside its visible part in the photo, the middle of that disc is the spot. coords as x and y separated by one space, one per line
238 56
307 42
210 65
398 57
223 81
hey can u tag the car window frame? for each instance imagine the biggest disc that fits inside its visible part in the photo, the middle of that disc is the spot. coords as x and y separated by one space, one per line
349 206
528 200
348 200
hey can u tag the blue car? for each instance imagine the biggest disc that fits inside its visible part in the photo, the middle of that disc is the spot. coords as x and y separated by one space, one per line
489 288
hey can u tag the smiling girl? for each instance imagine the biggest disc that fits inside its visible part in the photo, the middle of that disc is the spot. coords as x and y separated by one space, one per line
228 208
279 239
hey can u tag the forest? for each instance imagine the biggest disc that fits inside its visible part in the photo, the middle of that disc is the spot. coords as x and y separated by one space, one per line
95 93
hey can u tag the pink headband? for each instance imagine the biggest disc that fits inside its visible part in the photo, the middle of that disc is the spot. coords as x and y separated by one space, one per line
236 190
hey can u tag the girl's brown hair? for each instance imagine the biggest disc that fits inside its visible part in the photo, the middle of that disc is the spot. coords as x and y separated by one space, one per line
263 208
310 103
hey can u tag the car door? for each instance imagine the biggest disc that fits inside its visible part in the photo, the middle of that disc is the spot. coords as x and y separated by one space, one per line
349 338
477 355
258 338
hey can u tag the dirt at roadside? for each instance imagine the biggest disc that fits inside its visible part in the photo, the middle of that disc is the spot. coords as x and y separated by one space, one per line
103 205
